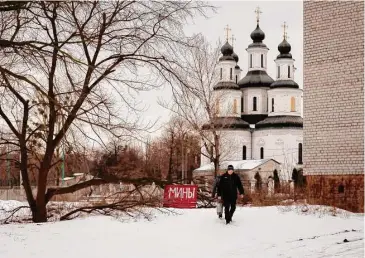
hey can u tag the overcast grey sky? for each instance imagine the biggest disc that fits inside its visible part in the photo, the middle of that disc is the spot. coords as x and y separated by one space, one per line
241 18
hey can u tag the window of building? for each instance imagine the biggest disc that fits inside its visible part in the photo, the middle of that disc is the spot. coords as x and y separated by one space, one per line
254 108
221 73
262 60
250 60
288 71
244 151
234 106
230 74
278 72
300 153
236 78
272 105
292 104
261 152
242 109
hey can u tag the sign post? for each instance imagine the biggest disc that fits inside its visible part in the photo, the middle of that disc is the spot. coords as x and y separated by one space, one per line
180 196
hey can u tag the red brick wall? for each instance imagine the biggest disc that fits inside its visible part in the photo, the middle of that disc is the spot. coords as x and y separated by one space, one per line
325 190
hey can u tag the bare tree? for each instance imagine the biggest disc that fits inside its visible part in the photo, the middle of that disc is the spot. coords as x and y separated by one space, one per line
85 59
197 104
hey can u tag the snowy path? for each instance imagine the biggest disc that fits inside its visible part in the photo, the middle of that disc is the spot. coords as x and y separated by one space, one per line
255 232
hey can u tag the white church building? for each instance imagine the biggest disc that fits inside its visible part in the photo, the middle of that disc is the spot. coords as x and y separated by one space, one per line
258 117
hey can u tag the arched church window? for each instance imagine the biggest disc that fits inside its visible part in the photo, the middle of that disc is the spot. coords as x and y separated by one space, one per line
221 73
244 151
300 153
254 104
236 78
230 74
292 104
262 60
261 152
242 109
272 105
288 71
278 72
234 106
250 60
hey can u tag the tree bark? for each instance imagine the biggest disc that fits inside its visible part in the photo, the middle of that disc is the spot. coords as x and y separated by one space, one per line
39 214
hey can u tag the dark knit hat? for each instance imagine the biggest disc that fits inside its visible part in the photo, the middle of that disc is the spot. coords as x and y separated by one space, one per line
230 167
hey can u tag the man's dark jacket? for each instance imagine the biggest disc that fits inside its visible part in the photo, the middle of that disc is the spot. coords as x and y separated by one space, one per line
228 186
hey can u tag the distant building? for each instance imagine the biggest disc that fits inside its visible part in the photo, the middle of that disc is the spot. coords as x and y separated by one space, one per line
248 170
334 102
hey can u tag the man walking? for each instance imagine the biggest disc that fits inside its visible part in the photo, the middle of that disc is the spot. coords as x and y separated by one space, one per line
228 185
214 193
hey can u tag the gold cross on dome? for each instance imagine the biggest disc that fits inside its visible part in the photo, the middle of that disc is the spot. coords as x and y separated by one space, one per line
258 12
233 39
285 27
227 29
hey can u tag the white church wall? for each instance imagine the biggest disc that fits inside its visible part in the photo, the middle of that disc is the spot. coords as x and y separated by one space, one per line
231 146
279 144
226 67
283 64
256 58
248 95
237 75
282 101
226 104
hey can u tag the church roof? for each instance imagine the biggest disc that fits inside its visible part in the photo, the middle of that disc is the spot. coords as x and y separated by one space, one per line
284 84
226 86
284 49
280 122
237 165
256 78
227 52
227 123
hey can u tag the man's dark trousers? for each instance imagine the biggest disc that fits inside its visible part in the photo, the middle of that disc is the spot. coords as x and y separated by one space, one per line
229 209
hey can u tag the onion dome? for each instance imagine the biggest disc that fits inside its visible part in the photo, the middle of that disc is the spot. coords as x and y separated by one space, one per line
235 57
257 35
284 49
227 51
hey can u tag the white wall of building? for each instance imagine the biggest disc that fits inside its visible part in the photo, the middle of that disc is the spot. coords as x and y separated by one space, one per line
279 144
282 101
231 145
284 73
226 67
237 72
261 95
256 58
226 99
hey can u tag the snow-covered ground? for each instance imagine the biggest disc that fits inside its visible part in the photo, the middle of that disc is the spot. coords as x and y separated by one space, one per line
255 232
